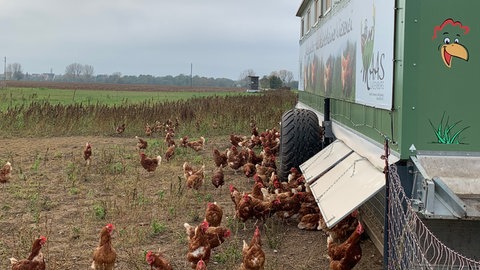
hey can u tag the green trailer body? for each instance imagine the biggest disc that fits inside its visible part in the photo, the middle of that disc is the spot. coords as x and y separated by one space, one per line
424 78
434 104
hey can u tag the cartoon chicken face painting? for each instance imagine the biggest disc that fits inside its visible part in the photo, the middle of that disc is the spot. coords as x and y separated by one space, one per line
450 33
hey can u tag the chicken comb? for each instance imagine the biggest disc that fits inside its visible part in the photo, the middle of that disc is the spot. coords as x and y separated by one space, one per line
43 239
200 263
359 228
257 231
110 226
210 204
204 225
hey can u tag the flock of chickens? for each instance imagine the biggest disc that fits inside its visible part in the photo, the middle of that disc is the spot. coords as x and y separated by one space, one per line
268 197
290 201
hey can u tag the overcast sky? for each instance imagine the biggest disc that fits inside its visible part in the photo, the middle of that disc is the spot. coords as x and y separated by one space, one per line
219 38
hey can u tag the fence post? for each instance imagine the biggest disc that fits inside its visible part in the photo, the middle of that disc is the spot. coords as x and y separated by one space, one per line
386 226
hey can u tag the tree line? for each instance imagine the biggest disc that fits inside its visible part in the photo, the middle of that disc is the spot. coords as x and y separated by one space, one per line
77 72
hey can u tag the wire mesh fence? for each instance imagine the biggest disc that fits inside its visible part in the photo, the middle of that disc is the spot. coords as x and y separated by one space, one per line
411 245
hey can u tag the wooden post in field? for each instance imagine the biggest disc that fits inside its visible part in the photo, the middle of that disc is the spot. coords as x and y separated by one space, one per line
5 72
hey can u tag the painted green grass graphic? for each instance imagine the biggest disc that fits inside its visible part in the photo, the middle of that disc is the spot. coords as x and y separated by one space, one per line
445 132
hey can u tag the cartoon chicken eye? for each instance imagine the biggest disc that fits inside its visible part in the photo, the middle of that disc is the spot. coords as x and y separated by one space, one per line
456 41
446 41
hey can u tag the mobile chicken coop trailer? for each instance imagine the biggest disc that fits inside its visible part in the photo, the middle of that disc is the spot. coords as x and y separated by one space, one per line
392 82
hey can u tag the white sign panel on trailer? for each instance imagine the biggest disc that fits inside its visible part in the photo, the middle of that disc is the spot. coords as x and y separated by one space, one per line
349 54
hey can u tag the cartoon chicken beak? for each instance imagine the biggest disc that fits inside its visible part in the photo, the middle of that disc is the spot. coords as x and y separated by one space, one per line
449 51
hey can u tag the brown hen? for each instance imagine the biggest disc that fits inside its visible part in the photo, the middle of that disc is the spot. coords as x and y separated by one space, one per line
213 214
6 172
199 246
196 179
170 152
219 158
87 153
217 235
197 145
235 195
218 178
120 129
35 260
104 255
346 255
249 169
141 143
236 159
150 164
253 255
342 229
157 261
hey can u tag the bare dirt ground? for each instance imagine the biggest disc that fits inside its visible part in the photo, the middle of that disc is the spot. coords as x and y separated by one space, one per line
53 193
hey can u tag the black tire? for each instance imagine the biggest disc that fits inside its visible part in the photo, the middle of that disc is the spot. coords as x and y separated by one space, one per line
300 139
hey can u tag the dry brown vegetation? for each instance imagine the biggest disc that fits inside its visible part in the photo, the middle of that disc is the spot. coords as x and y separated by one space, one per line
52 191
196 115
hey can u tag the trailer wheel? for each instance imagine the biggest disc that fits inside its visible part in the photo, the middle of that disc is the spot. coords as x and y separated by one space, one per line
300 139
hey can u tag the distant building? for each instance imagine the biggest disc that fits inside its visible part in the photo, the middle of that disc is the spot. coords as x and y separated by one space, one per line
40 77
253 84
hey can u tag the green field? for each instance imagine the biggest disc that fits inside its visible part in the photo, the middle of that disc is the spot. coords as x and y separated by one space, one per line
11 97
